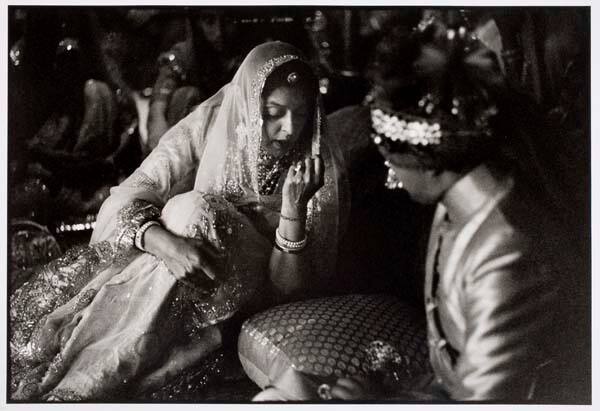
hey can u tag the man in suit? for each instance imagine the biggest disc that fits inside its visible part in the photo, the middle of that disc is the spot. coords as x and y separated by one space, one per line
492 271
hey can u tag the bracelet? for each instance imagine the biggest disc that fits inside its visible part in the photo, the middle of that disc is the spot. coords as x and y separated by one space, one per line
139 235
293 219
287 250
288 245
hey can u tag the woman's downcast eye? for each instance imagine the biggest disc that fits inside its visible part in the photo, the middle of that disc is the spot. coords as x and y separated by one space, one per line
273 112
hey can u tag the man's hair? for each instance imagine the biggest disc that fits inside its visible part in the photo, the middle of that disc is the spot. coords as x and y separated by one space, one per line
450 80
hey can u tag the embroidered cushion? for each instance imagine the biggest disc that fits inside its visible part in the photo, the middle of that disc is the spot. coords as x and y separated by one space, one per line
331 337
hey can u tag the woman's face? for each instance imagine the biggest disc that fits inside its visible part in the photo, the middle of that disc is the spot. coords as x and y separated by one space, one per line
285 113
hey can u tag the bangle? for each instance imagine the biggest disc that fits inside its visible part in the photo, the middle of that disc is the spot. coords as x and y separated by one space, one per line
288 245
139 235
294 219
286 250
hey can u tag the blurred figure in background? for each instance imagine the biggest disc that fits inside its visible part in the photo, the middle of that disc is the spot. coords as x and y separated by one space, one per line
70 79
68 150
192 70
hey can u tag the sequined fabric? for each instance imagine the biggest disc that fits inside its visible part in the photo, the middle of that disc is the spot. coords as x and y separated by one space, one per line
30 246
140 179
396 372
115 324
245 261
191 385
271 169
130 219
334 337
52 286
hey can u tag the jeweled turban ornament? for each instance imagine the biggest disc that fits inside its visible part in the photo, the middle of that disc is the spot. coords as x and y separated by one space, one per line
452 108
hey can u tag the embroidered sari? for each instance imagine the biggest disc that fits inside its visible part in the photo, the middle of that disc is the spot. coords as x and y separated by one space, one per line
108 321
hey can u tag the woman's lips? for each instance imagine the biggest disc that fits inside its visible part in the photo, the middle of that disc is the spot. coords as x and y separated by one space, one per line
279 145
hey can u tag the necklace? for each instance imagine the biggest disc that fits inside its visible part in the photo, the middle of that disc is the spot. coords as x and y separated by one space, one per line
269 170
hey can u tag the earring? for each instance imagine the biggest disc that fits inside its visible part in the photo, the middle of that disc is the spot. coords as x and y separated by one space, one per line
392 182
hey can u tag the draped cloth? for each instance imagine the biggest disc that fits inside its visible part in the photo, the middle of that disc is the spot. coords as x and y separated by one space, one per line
108 321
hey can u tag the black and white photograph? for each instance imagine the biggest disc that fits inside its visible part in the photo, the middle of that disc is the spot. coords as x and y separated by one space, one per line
313 204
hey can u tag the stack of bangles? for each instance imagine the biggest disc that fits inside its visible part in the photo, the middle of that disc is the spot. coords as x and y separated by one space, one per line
288 246
139 235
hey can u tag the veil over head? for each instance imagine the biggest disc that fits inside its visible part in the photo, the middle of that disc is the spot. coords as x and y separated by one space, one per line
229 165
216 150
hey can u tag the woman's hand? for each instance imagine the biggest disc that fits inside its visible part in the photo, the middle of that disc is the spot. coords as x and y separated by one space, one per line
188 259
301 183
291 273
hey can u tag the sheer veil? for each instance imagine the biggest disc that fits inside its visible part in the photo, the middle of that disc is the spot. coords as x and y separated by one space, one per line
230 159
229 163
215 149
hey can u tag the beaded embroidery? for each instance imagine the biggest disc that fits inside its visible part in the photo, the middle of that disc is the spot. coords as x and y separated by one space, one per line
140 179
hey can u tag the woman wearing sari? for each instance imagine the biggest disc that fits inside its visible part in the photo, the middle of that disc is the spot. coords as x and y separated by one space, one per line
243 198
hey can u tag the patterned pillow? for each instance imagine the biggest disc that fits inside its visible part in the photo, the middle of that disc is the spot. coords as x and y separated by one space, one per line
332 337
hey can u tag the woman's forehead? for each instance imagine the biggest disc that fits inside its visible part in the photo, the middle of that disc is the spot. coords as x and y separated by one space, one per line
290 97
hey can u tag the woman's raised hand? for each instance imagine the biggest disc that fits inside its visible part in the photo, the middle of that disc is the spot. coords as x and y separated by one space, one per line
301 183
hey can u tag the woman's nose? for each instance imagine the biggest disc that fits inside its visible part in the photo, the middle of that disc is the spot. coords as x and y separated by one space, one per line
287 124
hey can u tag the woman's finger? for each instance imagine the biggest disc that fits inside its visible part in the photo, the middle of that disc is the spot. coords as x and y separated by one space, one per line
208 269
308 170
291 172
210 250
299 167
299 177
